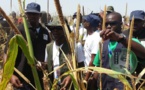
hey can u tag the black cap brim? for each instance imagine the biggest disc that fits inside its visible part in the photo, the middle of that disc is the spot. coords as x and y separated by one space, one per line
135 17
50 27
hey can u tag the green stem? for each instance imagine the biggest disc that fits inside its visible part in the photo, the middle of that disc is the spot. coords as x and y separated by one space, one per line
34 70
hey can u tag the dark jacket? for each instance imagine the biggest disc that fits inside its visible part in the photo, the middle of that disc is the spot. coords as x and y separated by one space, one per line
39 41
5 26
140 34
109 83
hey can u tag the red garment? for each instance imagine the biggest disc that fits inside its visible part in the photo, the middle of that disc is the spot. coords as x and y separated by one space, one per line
20 20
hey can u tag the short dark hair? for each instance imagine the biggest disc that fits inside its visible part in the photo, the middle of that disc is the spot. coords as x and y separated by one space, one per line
117 14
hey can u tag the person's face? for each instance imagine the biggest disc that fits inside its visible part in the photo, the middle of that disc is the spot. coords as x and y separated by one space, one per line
138 24
113 23
57 32
85 24
33 17
14 15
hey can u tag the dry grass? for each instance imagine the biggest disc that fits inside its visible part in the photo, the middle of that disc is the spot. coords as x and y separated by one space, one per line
3 39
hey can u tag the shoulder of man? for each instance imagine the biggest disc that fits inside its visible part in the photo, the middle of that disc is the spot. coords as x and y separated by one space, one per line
21 27
49 45
42 26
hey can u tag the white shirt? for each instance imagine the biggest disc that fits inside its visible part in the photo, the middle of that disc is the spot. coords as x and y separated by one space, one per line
143 43
82 31
91 46
80 52
55 57
38 29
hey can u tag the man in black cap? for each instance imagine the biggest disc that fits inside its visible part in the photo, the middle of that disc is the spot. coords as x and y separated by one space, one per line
91 46
39 37
138 29
138 32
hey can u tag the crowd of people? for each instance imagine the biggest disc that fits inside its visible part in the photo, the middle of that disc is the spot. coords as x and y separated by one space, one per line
49 43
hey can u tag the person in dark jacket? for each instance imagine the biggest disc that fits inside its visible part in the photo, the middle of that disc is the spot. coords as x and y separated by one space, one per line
39 37
139 33
139 29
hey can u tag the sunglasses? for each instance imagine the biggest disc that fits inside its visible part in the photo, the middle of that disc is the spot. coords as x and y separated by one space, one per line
111 23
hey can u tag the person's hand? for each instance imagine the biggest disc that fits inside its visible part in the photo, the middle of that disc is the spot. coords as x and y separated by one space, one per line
110 34
41 65
16 82
65 83
44 65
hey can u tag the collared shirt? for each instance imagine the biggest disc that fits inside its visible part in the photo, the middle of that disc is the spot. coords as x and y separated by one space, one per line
55 56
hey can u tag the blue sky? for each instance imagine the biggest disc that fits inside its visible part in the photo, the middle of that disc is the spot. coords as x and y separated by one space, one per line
70 6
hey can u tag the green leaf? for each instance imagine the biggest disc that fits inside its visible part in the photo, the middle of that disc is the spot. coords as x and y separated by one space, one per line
76 87
12 54
9 65
113 74
24 46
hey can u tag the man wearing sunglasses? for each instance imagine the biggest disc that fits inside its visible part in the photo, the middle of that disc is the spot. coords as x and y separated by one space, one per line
114 42
55 58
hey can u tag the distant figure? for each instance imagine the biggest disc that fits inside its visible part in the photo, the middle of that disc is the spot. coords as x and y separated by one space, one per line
45 18
13 17
4 25
2 31
82 30
20 20
110 9
3 22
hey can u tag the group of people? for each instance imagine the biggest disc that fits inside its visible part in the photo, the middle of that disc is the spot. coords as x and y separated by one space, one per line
49 40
